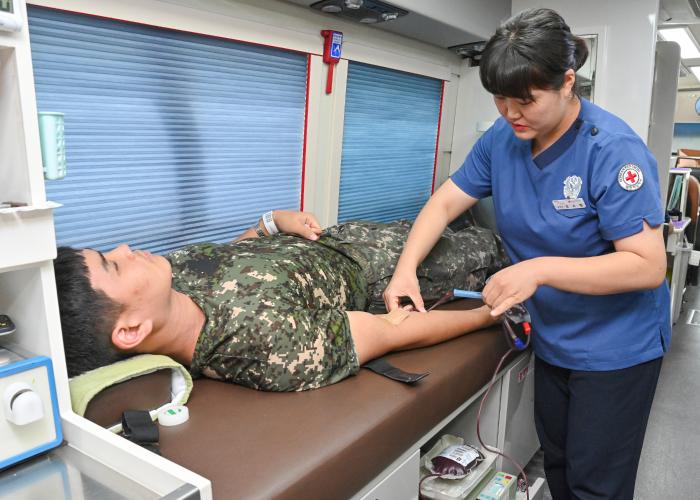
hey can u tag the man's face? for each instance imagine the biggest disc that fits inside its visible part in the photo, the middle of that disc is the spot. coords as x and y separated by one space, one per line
137 280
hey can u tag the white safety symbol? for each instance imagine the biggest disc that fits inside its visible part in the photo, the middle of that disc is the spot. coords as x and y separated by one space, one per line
572 186
335 50
630 177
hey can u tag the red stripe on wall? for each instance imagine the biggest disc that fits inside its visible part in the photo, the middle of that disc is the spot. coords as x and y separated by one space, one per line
437 139
306 126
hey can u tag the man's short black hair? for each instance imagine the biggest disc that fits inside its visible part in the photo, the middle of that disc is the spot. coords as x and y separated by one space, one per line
87 315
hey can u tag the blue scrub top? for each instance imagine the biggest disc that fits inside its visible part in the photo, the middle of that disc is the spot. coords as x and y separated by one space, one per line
595 185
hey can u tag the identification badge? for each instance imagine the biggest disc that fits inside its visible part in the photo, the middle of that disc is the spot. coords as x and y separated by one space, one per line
569 204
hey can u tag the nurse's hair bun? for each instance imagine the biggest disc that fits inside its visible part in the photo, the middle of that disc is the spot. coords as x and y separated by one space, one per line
580 52
532 50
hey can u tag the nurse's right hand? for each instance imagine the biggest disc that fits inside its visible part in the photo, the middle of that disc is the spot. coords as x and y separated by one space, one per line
403 284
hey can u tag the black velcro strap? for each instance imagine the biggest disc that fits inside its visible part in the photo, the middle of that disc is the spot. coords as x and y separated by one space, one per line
382 367
138 427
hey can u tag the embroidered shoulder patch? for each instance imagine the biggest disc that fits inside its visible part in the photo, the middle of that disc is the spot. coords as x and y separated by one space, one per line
630 177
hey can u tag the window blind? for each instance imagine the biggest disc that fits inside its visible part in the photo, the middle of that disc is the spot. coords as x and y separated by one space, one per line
389 141
171 137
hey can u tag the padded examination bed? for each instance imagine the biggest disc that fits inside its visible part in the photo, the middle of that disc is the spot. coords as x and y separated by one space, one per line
330 442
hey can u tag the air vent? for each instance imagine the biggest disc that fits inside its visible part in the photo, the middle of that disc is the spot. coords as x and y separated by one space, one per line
361 11
471 51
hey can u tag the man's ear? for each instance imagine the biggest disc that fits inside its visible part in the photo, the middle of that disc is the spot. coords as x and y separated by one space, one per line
128 335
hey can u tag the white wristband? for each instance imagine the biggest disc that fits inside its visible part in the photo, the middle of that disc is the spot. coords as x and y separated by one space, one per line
269 223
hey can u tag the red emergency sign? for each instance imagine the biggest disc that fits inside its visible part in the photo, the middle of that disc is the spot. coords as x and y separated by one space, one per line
332 47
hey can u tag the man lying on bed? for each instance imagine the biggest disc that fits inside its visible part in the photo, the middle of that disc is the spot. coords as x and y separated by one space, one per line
281 313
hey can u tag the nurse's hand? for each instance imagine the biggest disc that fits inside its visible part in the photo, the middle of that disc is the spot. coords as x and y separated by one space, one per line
510 286
302 224
403 284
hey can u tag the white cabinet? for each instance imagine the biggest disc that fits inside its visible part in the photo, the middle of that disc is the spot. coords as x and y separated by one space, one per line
517 436
28 289
507 423
401 483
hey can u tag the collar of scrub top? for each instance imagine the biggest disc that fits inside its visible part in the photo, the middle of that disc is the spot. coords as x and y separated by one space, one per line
549 155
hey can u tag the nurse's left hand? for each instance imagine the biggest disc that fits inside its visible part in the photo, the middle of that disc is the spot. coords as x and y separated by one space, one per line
510 286
302 224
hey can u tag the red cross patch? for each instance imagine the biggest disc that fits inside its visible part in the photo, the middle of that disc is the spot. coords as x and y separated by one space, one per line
630 177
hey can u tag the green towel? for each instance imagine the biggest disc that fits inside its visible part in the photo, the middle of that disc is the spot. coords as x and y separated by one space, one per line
86 386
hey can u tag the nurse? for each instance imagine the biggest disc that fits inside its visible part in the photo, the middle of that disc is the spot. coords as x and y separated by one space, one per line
577 203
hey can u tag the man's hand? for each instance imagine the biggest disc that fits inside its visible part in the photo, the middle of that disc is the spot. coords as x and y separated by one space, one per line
302 224
403 284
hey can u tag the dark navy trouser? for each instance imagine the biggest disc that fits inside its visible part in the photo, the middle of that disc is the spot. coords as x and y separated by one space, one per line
591 427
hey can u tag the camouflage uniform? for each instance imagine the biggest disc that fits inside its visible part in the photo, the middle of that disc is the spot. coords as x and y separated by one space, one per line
275 307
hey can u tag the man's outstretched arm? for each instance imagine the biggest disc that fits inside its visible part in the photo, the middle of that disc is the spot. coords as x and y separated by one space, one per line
302 224
376 335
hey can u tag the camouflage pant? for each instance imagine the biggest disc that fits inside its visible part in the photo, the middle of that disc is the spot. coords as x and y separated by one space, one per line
460 259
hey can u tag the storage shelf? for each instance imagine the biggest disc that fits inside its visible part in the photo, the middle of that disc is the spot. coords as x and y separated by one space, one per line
92 455
27 236
678 226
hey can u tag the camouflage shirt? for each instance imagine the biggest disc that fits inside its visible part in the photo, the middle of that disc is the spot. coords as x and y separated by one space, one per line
268 298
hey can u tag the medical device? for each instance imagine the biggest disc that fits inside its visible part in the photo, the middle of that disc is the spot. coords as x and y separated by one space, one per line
456 460
515 321
29 421
53 144
500 487
6 325
10 18
515 324
517 329
173 415
456 293
332 47
438 484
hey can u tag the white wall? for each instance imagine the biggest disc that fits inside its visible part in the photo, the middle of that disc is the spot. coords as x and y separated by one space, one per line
689 136
686 141
663 105
479 17
626 56
475 105
685 106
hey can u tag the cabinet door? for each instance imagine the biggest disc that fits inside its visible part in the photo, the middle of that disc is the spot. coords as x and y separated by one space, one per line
401 484
517 436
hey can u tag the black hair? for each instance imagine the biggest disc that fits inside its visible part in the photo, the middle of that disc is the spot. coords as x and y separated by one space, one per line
87 315
531 50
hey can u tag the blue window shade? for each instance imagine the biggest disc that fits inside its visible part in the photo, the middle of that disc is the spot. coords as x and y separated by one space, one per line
389 139
171 137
